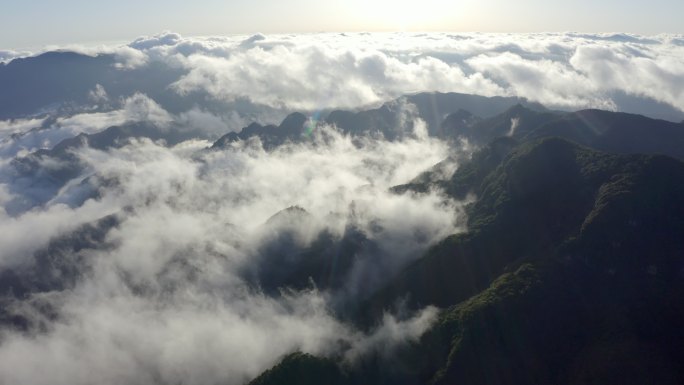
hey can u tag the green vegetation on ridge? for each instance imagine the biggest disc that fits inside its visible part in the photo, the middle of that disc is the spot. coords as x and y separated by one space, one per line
571 273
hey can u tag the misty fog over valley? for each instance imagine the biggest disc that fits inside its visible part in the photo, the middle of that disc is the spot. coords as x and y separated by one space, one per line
344 208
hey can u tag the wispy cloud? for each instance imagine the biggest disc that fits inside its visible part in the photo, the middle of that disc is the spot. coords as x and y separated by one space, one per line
163 298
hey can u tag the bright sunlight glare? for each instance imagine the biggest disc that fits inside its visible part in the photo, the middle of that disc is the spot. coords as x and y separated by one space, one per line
409 15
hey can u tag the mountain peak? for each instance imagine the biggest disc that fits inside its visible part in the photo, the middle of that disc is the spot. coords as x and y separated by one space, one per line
519 109
294 120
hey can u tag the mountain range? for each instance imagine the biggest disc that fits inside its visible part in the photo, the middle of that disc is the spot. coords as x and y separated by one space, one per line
571 270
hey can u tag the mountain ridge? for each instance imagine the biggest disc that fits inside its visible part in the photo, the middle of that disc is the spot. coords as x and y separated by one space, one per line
522 276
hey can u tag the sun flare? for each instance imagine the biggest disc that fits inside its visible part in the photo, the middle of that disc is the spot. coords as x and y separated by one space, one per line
404 15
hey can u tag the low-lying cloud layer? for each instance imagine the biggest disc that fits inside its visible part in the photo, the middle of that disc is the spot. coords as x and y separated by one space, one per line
165 296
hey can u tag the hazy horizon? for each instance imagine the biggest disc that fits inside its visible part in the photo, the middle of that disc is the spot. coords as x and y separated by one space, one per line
42 23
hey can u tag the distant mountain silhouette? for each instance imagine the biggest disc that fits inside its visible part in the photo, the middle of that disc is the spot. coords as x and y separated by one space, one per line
63 79
457 122
515 122
447 116
608 131
433 108
604 130
617 132
291 128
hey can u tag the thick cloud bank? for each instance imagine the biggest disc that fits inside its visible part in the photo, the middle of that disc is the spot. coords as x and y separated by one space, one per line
569 71
623 72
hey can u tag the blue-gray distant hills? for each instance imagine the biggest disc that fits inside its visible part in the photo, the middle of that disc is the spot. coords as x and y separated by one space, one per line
62 80
499 118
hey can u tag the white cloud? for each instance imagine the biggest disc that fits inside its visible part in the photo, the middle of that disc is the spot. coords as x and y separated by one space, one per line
99 94
392 333
652 73
196 339
24 235
554 83
167 300
314 71
127 57
211 124
312 77
9 55
19 126
136 108
352 70
164 39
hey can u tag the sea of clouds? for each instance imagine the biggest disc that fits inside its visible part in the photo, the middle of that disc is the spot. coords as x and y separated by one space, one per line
311 71
163 297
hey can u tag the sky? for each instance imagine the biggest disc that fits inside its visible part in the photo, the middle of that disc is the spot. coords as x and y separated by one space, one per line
35 23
